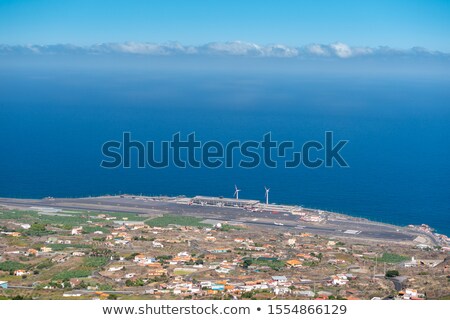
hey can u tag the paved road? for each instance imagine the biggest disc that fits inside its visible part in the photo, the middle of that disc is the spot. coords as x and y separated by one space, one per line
131 291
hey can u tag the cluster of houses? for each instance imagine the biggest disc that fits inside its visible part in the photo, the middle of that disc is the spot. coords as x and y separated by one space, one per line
278 285
172 259
411 294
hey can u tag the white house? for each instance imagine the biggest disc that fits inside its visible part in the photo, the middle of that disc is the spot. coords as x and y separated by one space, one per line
77 230
143 259
20 273
157 244
339 280
115 268
411 264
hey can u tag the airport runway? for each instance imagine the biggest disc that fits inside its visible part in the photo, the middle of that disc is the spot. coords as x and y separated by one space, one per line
343 227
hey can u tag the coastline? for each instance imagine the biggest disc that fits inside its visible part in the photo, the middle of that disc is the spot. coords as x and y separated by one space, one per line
276 215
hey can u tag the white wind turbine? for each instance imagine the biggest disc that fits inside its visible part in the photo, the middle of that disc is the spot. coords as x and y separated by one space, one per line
267 195
236 192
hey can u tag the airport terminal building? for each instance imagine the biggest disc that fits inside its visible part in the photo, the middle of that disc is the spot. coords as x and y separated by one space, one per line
224 202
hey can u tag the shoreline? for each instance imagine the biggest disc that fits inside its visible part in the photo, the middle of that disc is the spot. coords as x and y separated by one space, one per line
429 227
308 219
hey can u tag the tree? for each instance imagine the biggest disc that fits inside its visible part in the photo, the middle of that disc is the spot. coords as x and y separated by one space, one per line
392 273
129 283
246 263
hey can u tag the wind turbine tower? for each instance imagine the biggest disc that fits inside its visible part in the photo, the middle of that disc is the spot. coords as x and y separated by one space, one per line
267 195
236 192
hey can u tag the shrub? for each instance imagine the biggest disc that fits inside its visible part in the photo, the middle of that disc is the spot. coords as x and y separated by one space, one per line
392 273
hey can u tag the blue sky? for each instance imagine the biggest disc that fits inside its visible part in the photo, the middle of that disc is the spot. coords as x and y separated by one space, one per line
398 24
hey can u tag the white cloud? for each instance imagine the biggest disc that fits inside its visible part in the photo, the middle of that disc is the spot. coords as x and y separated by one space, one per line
336 50
279 50
317 49
341 50
232 48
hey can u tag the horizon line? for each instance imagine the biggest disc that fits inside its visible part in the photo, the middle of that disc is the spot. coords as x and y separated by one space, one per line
236 48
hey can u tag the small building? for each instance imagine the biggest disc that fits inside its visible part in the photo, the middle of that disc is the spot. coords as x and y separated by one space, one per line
279 279
20 273
157 272
223 270
218 287
411 264
339 280
294 263
115 268
157 244
219 250
74 282
306 293
14 234
143 259
77 231
72 294
32 252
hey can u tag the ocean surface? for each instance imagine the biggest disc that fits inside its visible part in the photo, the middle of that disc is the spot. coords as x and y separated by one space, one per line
54 122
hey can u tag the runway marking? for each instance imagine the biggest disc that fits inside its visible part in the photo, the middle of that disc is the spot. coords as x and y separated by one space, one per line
352 231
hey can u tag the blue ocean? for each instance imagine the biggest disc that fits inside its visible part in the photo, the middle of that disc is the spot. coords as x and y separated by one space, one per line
53 122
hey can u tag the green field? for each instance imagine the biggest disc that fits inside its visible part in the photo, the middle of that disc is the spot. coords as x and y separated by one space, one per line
12 266
392 258
67 219
183 272
166 220
17 215
95 262
229 227
69 274
91 229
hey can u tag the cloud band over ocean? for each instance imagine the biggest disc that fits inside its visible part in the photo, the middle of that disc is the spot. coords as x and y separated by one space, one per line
337 50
